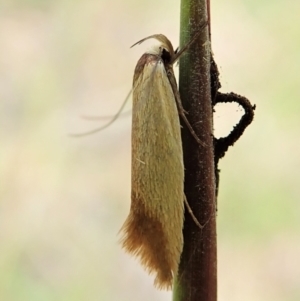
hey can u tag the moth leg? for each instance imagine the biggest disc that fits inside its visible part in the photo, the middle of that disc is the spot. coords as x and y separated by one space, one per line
192 214
180 108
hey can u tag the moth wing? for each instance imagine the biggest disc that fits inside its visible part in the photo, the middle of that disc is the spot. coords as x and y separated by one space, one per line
153 229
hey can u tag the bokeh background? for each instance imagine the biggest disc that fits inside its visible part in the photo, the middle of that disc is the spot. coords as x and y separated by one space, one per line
64 199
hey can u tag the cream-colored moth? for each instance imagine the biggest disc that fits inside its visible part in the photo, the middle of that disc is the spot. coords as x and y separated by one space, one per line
153 230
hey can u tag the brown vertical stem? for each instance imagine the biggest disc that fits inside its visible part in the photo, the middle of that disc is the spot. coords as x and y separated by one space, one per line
197 276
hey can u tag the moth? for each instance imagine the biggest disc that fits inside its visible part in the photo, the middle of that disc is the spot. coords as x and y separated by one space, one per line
153 229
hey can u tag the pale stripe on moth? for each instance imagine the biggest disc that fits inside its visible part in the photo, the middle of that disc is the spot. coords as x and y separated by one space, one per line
153 229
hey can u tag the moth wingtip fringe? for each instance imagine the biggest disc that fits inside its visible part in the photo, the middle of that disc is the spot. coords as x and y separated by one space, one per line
151 254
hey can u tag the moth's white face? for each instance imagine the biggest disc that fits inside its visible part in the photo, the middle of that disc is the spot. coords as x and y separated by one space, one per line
155 49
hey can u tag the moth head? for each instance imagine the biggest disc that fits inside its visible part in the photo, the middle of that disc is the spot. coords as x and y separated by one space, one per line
165 55
164 50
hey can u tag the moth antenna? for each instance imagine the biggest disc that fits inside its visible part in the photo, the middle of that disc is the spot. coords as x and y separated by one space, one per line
106 125
102 117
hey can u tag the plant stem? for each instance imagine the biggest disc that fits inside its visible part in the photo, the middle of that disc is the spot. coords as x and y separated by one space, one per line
197 275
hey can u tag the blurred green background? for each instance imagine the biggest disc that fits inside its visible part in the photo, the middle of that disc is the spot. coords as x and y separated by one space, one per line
63 199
